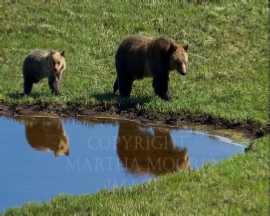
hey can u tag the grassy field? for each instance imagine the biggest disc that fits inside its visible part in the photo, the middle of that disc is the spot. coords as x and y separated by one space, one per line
227 77
228 55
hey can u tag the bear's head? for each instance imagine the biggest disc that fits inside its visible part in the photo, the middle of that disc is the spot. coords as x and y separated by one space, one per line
62 147
58 60
179 58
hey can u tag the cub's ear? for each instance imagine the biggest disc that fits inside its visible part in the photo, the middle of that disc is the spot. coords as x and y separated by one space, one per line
62 53
52 52
185 47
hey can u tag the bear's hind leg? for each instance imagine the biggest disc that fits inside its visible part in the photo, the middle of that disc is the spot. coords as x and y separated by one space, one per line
125 86
27 86
154 86
115 86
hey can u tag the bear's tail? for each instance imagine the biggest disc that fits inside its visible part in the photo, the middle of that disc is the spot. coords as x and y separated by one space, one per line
115 86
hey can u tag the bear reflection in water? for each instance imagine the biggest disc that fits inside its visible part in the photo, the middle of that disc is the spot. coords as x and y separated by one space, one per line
47 134
142 152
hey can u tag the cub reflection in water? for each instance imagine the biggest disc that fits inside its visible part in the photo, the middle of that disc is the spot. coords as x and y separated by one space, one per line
141 152
46 134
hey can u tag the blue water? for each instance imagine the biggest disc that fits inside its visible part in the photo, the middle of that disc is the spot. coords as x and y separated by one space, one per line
41 158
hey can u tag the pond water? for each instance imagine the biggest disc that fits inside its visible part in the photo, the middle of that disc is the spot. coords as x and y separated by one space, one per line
43 157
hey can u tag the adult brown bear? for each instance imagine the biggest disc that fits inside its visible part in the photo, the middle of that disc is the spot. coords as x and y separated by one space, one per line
138 57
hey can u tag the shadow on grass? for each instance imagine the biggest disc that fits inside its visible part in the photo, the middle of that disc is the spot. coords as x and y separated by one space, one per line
19 95
123 102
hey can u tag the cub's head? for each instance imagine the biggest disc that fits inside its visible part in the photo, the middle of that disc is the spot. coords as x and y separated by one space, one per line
179 58
58 61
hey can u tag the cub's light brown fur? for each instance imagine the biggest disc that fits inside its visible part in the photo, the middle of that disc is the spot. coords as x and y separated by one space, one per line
40 64
45 134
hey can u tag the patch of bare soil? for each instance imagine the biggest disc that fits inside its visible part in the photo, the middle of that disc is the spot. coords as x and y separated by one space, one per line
250 128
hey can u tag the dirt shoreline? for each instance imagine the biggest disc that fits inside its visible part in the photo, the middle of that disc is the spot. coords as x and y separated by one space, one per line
250 128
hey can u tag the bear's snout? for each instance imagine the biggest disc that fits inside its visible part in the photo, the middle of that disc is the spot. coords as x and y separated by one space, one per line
183 73
56 69
182 70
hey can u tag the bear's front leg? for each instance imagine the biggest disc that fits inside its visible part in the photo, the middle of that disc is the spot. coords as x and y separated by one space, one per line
54 86
161 87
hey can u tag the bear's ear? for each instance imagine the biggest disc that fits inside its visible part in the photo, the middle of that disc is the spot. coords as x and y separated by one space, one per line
62 53
52 52
172 48
185 47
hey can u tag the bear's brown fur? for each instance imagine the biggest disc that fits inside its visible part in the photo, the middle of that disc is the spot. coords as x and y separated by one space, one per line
142 152
138 57
40 64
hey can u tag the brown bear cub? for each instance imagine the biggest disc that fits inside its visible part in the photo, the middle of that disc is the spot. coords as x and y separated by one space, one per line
138 57
40 64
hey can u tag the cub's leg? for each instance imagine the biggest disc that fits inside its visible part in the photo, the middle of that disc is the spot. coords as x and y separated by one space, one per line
54 86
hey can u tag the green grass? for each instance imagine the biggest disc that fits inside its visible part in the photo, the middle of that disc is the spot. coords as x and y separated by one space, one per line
236 186
228 57
227 77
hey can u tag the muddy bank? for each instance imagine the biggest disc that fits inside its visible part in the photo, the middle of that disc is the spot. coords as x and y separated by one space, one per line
251 129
